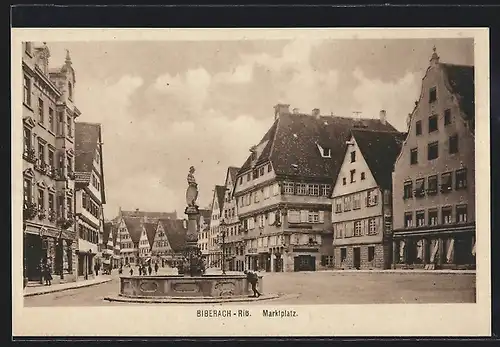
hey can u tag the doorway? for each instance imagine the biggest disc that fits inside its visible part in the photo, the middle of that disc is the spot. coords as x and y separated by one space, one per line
304 263
356 257
34 254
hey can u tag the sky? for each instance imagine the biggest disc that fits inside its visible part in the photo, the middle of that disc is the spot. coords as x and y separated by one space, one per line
167 105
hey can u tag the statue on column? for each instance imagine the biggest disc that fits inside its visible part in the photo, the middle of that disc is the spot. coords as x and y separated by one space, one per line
192 191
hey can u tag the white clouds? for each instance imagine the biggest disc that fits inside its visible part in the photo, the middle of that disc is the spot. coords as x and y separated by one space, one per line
397 98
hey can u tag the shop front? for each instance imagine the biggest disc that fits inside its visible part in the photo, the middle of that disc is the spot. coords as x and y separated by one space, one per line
305 259
435 249
252 260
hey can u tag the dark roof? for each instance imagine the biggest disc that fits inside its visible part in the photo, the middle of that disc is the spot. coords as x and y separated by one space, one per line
134 227
176 234
294 138
87 141
150 215
114 233
461 81
220 192
233 171
206 213
106 232
150 232
380 150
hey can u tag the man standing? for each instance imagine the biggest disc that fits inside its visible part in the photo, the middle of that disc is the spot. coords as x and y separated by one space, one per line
252 278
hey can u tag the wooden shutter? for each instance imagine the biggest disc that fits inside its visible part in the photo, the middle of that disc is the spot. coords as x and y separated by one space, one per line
321 216
272 218
377 225
304 215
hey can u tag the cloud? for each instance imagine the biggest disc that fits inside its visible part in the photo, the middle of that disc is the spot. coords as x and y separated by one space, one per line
397 97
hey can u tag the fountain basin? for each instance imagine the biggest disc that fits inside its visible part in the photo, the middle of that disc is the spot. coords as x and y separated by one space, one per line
178 286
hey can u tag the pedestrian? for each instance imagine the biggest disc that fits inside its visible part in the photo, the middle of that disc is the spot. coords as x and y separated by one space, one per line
140 270
48 274
96 269
150 269
131 271
156 268
252 278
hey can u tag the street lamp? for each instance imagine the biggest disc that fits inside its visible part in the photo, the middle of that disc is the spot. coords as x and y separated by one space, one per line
222 230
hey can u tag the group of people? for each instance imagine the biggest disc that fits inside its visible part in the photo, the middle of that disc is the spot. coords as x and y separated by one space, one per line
46 272
144 270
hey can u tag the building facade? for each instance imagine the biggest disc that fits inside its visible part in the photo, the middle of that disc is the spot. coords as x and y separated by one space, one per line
204 231
362 199
90 196
48 115
175 230
214 250
283 190
234 244
146 241
434 178
161 251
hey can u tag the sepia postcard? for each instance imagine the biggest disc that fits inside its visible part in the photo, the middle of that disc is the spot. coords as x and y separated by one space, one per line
251 182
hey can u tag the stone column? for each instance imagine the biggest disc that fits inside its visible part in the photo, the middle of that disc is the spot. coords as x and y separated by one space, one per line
273 261
425 256
440 254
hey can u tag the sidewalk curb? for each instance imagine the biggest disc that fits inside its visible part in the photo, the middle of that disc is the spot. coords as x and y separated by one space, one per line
49 291
183 300
404 272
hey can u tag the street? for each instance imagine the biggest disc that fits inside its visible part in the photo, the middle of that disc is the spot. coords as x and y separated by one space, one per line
312 288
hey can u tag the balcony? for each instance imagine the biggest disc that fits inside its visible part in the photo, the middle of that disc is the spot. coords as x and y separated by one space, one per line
29 155
42 167
30 211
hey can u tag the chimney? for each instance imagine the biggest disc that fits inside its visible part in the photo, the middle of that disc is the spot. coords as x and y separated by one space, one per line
295 111
280 109
316 112
383 117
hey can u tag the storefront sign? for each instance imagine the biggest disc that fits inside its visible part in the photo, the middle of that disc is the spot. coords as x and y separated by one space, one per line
306 250
252 251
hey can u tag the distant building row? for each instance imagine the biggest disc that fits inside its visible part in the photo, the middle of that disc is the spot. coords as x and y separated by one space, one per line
331 192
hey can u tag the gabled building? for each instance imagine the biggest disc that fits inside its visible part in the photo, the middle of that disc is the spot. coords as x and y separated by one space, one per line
214 249
90 194
362 200
434 178
234 243
161 250
176 231
48 115
283 189
116 261
146 240
107 245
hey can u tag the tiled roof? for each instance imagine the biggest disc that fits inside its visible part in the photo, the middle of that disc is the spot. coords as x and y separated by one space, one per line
150 232
150 215
294 139
134 227
87 137
380 150
220 192
106 232
206 213
175 232
461 80
233 171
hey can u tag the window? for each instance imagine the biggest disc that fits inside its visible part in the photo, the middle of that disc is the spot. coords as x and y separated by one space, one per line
419 188
338 205
60 123
344 181
266 194
248 177
357 228
255 174
41 152
446 215
27 91
453 144
41 199
432 150
339 230
461 179
418 128
433 217
347 203
372 198
69 126
462 214
69 169
326 153
27 190
432 183
371 253
343 254
420 218
314 189
447 117
372 226
241 180
433 123
269 168
353 172
261 171
288 188
40 111
362 176
353 156
408 190
276 189
325 190
414 156
51 119
304 216
50 161
256 197
301 189
293 216
408 219
432 95
327 260
27 139
313 217
70 90
356 201
446 182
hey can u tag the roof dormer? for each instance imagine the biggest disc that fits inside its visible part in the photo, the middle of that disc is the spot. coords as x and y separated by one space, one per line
325 152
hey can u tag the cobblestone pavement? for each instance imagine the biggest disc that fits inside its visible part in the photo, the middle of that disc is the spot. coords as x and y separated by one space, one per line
313 288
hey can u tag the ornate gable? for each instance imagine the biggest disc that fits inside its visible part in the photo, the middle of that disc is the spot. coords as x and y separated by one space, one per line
29 173
41 184
29 122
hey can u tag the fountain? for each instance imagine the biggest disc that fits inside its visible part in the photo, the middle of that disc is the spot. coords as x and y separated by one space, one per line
192 286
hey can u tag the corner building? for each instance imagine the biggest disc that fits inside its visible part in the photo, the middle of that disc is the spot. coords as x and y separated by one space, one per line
283 190
48 115
433 179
